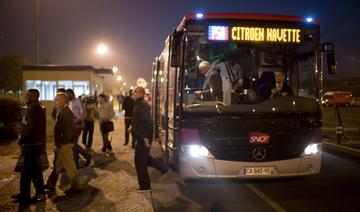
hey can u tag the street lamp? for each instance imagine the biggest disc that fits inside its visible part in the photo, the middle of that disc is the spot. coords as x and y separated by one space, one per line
102 49
124 84
114 69
119 78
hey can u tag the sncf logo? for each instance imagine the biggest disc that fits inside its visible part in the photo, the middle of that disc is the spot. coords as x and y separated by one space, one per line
258 138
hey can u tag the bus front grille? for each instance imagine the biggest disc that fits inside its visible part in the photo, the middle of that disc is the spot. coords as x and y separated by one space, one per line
241 150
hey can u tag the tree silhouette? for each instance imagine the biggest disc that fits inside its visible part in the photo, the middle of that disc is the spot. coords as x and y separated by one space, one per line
11 72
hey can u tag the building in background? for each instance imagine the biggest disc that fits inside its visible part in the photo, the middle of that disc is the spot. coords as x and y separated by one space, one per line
83 79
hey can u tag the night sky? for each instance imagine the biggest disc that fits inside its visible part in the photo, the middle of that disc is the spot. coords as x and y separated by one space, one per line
135 30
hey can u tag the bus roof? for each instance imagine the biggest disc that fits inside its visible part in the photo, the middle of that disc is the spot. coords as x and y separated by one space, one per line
243 16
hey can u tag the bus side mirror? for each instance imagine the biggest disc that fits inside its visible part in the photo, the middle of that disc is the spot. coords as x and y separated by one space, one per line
329 50
175 49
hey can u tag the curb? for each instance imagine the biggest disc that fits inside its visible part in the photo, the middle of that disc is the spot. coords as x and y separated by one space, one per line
341 149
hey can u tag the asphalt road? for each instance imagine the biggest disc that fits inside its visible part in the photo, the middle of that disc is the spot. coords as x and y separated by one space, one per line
336 188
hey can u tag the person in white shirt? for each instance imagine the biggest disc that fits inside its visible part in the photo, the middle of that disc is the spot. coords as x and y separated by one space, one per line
77 108
231 74
105 114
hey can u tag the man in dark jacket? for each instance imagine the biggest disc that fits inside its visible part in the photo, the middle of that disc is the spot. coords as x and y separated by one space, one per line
128 106
142 130
64 133
212 88
32 141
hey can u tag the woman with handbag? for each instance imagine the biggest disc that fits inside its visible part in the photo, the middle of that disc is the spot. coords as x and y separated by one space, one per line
105 113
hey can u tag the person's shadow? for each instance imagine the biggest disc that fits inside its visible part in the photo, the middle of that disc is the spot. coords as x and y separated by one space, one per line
89 199
109 162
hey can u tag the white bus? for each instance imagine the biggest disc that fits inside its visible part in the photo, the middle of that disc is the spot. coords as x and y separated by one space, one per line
248 131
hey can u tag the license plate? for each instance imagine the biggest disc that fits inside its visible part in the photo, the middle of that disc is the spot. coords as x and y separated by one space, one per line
258 171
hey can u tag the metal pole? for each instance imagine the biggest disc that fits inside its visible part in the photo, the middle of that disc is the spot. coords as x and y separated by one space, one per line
37 19
339 128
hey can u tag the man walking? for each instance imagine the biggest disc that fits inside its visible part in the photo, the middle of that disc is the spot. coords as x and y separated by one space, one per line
142 131
64 142
32 141
78 110
128 106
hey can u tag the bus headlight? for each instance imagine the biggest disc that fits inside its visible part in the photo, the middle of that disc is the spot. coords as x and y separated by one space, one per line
196 150
312 149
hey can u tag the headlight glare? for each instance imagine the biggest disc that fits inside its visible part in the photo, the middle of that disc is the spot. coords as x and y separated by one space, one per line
312 149
196 150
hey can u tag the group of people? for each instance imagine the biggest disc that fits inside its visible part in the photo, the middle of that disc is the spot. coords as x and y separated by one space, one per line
73 115
224 76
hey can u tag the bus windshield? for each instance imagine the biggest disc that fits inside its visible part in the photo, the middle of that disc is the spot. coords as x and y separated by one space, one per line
249 73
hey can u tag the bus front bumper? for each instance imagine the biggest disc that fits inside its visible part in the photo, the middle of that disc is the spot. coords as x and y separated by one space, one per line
209 168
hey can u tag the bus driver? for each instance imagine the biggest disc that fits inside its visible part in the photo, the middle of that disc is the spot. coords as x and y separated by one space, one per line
281 89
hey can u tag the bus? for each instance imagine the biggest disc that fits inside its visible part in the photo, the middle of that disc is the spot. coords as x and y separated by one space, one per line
341 98
247 132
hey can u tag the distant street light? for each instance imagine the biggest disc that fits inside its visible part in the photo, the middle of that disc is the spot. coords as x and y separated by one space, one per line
131 87
115 69
102 49
124 84
119 78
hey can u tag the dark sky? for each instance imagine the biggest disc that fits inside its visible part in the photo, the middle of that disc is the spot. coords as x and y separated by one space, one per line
135 29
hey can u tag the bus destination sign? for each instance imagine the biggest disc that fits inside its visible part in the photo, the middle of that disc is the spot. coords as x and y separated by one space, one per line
255 34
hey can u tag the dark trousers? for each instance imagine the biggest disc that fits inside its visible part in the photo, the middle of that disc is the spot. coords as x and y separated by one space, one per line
128 124
32 171
87 136
105 138
78 150
53 178
142 161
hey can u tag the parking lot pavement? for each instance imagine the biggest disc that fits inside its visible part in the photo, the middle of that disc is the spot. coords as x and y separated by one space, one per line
111 181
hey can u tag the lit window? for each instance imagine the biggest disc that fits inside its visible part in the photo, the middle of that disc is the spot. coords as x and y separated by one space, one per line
81 87
47 89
